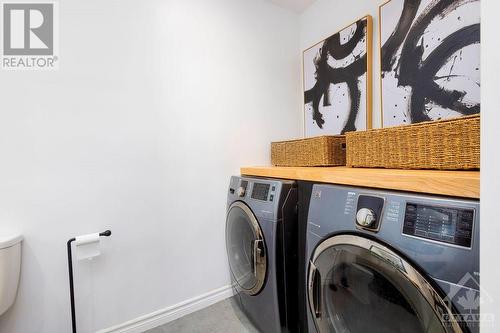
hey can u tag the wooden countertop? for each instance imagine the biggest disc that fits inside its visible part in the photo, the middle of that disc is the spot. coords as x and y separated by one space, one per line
452 183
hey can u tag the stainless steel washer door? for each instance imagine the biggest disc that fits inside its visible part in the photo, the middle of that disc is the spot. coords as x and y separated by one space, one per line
246 249
359 285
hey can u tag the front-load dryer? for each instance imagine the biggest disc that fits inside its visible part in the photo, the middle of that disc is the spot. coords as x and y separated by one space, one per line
384 261
261 243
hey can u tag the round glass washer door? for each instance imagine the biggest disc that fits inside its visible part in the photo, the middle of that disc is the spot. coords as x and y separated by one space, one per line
245 249
359 285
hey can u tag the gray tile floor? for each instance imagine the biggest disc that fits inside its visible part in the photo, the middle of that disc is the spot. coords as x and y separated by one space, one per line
221 317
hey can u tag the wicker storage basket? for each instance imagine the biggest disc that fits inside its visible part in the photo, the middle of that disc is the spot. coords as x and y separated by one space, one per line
316 151
450 144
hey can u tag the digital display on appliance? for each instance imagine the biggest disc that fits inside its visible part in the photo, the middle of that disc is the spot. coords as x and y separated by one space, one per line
444 224
260 191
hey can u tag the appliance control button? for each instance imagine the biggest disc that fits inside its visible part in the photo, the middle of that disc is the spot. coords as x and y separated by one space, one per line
271 197
365 217
241 191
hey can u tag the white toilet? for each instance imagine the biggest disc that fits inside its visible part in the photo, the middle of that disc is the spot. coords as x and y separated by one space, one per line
10 268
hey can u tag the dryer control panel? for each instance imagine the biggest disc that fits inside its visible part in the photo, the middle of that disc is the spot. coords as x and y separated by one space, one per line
260 191
265 197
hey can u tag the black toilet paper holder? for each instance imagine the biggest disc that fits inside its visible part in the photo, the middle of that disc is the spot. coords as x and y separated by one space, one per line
106 233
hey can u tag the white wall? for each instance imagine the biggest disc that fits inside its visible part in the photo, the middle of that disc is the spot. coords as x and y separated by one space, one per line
325 17
155 105
490 161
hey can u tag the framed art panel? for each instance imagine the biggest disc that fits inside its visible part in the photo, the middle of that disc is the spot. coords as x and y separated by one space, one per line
337 78
430 53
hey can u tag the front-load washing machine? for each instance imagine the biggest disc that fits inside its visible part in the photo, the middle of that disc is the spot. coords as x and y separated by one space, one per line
261 243
384 261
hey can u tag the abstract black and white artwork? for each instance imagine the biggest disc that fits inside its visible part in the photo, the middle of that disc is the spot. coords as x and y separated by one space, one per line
337 82
430 52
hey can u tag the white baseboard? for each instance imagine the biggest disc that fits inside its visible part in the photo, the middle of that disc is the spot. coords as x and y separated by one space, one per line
163 316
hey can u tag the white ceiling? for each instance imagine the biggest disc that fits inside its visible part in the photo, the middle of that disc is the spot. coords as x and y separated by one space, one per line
297 6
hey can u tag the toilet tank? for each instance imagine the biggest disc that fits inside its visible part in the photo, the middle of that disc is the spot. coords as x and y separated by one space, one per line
10 269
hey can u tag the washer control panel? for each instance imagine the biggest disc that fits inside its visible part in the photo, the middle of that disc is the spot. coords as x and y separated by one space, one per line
441 234
439 223
365 217
369 212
